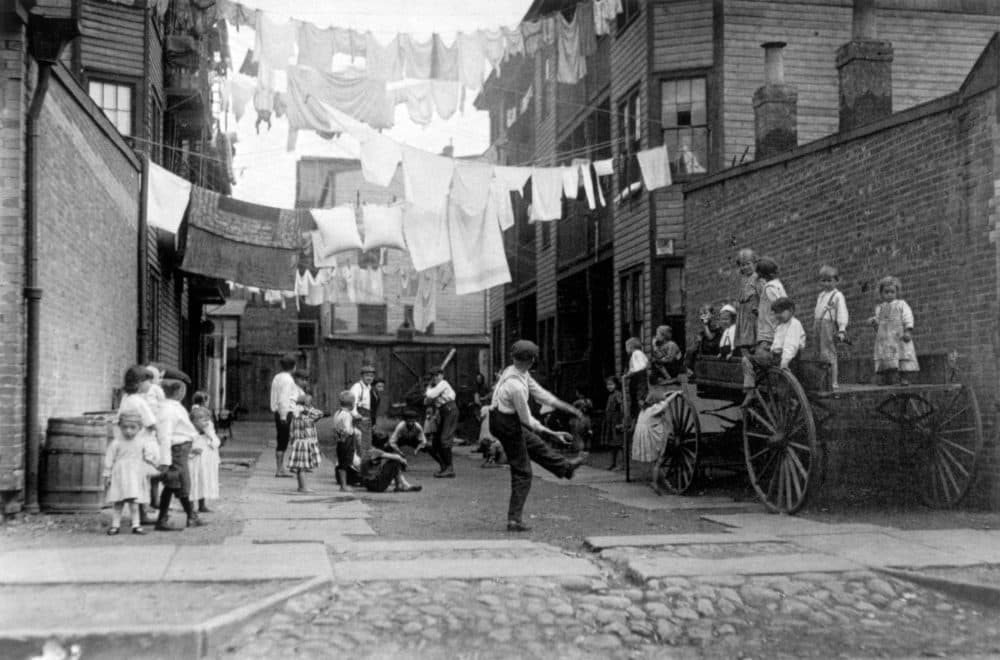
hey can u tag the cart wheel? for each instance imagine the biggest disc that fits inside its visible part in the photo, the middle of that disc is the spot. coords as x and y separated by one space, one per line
950 438
679 458
779 442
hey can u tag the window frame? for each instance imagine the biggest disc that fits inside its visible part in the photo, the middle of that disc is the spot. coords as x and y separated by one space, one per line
631 282
630 128
631 9
679 76
118 82
301 324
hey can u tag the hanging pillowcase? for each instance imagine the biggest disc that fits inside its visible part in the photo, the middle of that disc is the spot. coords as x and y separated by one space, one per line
383 226
338 229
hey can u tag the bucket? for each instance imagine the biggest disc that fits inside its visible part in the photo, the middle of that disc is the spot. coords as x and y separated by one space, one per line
70 474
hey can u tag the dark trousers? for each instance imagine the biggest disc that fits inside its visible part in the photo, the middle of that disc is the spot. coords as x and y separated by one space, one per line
444 435
523 446
387 473
283 431
177 480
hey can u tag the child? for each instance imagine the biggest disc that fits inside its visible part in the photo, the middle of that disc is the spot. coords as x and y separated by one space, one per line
580 426
613 419
128 463
140 387
830 319
408 432
789 339
176 434
489 445
303 453
727 321
747 300
204 463
650 437
380 468
771 289
346 437
635 380
665 358
708 339
895 354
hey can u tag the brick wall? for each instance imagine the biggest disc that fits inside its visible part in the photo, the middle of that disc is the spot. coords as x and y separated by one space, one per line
910 196
88 211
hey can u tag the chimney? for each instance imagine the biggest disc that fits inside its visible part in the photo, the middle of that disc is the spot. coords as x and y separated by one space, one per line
775 106
865 67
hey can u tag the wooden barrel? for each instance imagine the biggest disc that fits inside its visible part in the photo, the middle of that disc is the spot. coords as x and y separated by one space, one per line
70 471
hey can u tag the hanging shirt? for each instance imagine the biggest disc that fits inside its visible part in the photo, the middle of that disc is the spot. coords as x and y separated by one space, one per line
546 193
655 167
571 64
275 42
316 46
531 34
426 178
446 96
418 100
417 56
587 180
383 62
513 41
471 59
584 19
444 60
494 47
425 302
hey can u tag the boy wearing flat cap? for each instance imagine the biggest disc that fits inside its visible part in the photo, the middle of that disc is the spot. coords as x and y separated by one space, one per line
441 395
512 423
362 413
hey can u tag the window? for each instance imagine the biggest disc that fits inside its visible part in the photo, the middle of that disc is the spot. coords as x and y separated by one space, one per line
371 319
684 118
630 136
630 9
308 334
116 102
632 304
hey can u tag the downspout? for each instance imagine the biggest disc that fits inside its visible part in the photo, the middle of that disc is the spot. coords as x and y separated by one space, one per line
142 251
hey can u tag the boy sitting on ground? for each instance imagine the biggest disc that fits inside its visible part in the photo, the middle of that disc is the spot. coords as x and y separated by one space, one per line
789 340
380 468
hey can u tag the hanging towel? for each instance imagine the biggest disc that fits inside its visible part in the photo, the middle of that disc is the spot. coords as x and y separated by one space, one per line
531 35
494 47
444 60
426 178
425 302
571 65
315 47
585 21
513 42
380 157
319 247
418 100
583 167
546 193
471 59
383 226
477 251
274 42
604 16
416 56
470 186
604 167
571 180
506 179
383 62
338 228
426 237
349 91
655 167
166 198
446 96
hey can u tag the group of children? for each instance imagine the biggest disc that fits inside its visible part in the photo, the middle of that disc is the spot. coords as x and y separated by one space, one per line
159 451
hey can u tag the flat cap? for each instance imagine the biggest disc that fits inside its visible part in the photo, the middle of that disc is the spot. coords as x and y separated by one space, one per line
367 369
524 350
434 371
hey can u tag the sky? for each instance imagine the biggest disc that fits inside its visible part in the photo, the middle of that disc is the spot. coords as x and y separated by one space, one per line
265 170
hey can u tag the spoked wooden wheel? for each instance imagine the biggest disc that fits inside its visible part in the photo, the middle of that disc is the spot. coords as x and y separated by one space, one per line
779 442
679 458
948 430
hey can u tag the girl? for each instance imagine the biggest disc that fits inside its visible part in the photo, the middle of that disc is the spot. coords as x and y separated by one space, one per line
613 419
142 397
771 289
895 354
303 453
650 437
204 461
665 358
830 319
128 463
636 379
747 300
727 324
345 436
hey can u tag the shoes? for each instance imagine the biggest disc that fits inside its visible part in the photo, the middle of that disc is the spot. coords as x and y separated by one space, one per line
205 509
148 521
571 467
410 489
288 475
112 531
138 530
165 527
195 521
447 473
517 526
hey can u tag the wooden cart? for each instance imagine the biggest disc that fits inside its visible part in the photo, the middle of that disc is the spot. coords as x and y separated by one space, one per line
783 428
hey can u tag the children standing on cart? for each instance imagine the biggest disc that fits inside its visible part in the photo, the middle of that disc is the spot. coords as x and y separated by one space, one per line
830 320
789 340
895 355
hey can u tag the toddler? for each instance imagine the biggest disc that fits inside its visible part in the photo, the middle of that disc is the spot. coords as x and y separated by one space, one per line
204 463
303 454
141 398
830 319
789 339
128 463
346 436
895 355
580 427
727 323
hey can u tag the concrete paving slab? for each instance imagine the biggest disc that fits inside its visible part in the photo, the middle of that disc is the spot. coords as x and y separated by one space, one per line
883 550
980 544
249 562
659 567
783 525
305 511
317 531
638 495
75 565
646 540
461 569
449 545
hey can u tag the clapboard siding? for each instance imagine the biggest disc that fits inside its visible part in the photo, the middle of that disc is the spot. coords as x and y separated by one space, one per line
670 216
120 48
682 34
545 155
934 51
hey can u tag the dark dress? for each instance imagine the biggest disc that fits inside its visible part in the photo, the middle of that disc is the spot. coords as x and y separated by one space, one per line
614 414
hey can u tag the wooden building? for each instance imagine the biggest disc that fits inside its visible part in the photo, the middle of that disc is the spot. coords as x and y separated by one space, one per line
683 72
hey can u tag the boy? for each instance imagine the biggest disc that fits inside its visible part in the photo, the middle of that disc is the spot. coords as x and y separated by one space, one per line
176 434
441 395
346 436
380 468
408 432
789 339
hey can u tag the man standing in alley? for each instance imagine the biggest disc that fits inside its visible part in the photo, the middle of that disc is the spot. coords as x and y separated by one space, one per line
284 392
518 431
441 395
362 391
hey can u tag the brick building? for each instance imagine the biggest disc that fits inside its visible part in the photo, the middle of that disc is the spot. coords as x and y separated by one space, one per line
684 72
85 287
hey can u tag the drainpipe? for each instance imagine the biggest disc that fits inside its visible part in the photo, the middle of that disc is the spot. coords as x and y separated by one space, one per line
142 331
48 37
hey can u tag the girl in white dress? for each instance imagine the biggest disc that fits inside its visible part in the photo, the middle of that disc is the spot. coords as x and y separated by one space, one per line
204 461
128 463
895 355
